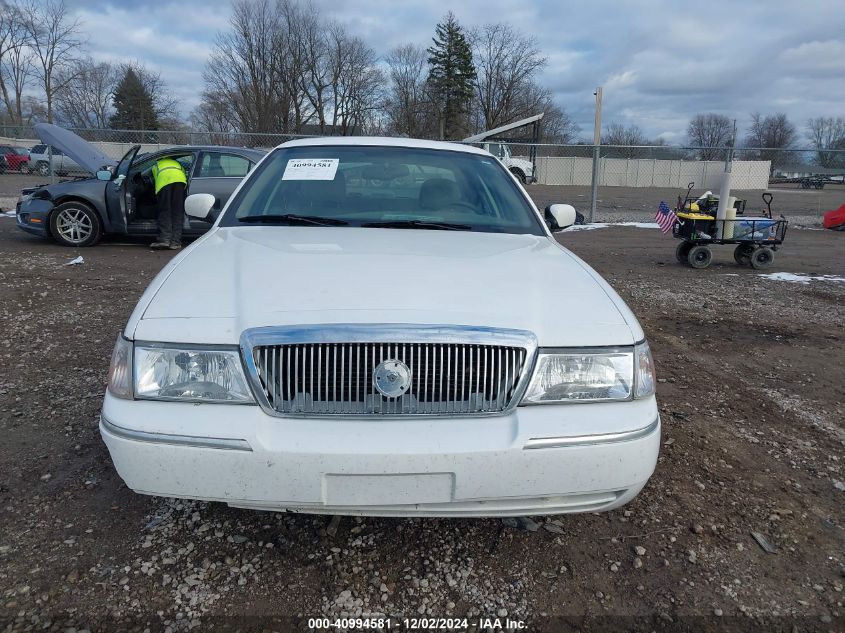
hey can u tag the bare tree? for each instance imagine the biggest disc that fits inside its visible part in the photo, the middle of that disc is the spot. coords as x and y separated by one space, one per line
407 101
85 99
244 66
629 141
557 126
300 53
55 40
15 61
825 134
320 48
214 116
356 86
507 63
282 67
711 133
769 136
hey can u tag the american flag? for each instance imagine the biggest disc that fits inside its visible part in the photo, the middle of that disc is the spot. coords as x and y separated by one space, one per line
665 217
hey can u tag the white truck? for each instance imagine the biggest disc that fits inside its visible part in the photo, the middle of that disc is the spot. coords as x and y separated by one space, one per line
519 167
490 140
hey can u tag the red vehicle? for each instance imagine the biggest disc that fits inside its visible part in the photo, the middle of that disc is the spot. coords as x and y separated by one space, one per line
835 219
17 158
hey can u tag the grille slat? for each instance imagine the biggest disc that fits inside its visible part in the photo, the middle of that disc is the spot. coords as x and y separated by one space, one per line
337 378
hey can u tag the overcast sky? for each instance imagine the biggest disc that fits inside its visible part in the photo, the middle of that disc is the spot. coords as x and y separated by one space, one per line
660 61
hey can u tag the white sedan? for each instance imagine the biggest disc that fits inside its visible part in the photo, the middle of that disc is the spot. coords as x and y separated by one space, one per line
383 327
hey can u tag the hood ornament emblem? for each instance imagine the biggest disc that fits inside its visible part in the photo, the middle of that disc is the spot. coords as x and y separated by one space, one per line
392 378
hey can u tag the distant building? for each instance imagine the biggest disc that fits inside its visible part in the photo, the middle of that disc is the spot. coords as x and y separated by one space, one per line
806 171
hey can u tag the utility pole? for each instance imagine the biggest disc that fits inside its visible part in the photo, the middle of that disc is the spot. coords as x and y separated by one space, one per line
596 153
725 189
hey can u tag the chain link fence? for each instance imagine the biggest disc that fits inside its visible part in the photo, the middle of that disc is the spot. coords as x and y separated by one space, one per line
657 166
674 167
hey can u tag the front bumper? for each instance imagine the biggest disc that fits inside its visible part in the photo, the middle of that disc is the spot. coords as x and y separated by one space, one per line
33 216
533 460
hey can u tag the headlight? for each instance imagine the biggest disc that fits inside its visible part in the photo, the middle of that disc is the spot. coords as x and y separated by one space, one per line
163 373
120 370
645 379
591 376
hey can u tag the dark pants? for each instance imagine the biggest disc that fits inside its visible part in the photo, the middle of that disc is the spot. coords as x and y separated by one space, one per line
171 212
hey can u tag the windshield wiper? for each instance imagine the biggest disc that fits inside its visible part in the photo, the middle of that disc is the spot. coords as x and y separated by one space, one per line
294 220
418 224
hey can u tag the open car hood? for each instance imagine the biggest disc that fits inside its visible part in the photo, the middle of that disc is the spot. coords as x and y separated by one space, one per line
85 154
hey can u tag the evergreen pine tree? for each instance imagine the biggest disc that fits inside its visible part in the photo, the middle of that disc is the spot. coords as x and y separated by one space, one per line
450 76
133 104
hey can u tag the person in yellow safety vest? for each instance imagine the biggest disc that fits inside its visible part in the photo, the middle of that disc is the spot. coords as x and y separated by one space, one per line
170 181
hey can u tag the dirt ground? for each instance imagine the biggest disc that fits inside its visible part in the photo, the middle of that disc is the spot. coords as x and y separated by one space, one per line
752 397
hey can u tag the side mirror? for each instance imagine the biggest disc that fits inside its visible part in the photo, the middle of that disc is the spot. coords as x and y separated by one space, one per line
560 216
104 174
199 206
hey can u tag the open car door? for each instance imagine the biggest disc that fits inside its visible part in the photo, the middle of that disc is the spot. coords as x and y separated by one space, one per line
118 194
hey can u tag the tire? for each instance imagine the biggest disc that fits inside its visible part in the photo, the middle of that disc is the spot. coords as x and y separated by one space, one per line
75 224
742 254
699 256
682 251
519 175
43 169
762 258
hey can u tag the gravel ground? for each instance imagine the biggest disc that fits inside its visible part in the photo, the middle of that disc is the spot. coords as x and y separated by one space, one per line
752 394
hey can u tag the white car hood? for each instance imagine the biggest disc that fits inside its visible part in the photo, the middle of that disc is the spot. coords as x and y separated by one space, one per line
239 278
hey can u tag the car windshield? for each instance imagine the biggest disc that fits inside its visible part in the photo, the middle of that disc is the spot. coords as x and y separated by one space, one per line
22 151
383 187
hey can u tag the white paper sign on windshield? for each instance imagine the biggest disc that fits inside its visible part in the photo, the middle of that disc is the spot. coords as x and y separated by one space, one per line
311 169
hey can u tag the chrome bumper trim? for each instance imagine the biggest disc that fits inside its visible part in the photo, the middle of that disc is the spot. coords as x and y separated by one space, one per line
221 443
587 440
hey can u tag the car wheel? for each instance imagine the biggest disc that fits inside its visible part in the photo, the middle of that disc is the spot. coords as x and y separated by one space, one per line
742 254
682 251
700 256
762 258
519 175
43 169
75 224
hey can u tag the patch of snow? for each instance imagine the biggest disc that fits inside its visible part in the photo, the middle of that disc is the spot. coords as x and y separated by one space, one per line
604 225
802 278
7 214
76 261
585 227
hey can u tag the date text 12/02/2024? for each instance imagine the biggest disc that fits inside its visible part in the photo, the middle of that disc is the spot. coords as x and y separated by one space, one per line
416 624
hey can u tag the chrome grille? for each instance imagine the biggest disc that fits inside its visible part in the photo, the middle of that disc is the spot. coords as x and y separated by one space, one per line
336 378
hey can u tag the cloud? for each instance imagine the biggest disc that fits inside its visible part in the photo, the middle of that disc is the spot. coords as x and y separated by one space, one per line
817 59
